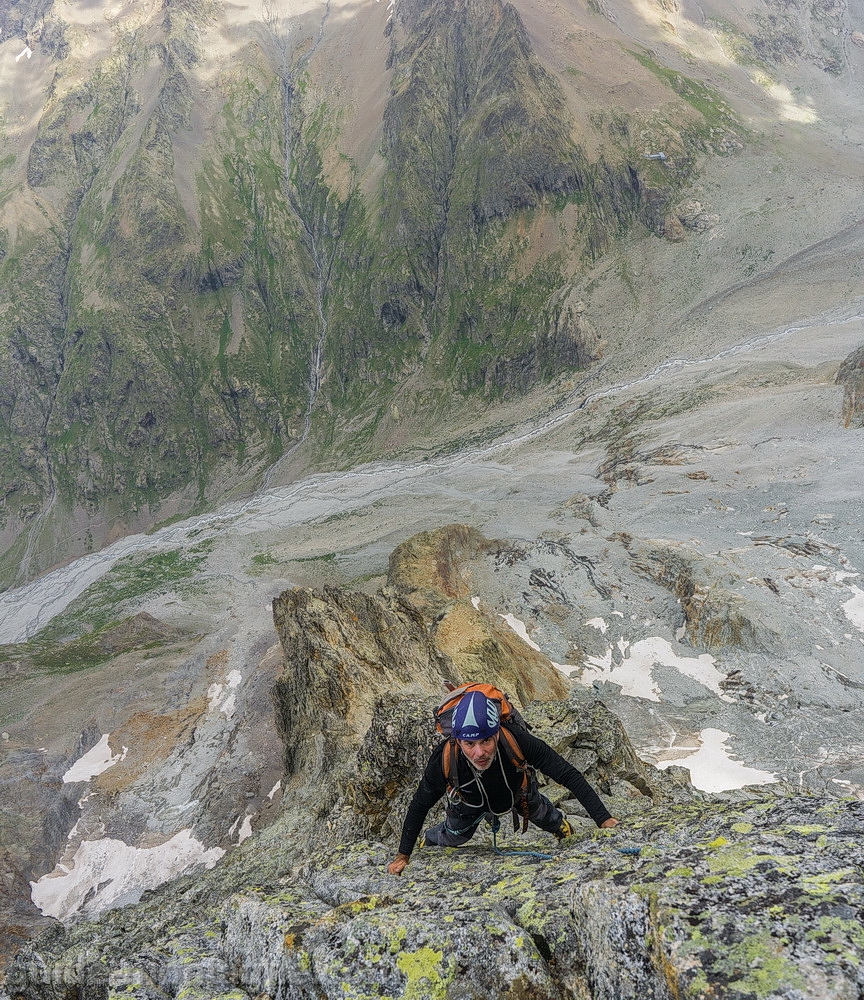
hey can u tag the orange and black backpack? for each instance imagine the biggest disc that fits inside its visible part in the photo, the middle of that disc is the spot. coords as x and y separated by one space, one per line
510 719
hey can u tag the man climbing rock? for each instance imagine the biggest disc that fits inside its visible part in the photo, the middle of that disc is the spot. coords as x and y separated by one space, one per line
487 770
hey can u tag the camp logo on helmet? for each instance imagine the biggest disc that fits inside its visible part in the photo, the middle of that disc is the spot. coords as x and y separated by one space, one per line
476 717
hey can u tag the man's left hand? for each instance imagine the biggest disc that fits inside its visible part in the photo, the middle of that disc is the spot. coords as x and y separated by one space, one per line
608 823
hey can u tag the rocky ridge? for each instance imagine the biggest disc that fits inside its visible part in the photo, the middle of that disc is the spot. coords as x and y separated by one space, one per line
750 893
736 901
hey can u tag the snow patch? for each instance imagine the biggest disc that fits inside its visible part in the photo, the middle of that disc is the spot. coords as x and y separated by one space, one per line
95 761
713 770
223 697
243 824
635 681
634 673
700 668
107 872
854 608
598 623
520 630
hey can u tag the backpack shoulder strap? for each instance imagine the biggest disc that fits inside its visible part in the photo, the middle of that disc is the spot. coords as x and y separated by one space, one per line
451 767
513 749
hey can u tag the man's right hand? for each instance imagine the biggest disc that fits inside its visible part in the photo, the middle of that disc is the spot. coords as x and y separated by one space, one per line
397 865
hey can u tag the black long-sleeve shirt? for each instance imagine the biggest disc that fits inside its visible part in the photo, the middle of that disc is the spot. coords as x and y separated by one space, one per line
500 788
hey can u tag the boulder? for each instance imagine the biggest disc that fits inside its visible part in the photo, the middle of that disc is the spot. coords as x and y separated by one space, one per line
851 376
432 571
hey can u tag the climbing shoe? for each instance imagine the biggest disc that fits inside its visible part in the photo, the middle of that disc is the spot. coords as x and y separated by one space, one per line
564 829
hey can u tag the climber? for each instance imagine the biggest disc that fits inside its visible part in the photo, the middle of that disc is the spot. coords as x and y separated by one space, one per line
493 776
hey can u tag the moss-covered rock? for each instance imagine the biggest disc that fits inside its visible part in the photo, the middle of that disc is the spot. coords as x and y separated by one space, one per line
759 898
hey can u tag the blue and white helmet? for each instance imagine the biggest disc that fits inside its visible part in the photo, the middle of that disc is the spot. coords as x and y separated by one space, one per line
476 717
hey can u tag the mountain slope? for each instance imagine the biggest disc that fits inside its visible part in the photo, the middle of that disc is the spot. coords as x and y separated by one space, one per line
226 235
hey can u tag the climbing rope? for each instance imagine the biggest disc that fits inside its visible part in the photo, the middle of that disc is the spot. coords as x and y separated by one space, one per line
496 826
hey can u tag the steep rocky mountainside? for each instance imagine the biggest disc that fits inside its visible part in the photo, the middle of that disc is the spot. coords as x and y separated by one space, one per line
749 895
230 235
586 281
267 783
191 250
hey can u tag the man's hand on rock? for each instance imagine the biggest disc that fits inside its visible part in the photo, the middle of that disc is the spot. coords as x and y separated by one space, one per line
608 823
397 865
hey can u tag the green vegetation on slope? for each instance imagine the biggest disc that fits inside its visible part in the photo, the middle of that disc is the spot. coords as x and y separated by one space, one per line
208 293
78 638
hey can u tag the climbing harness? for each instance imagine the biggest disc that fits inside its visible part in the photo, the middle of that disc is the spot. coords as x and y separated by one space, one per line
455 791
457 794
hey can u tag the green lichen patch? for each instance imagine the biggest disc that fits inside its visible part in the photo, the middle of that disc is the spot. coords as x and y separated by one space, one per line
423 974
824 881
758 965
807 829
840 938
737 860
